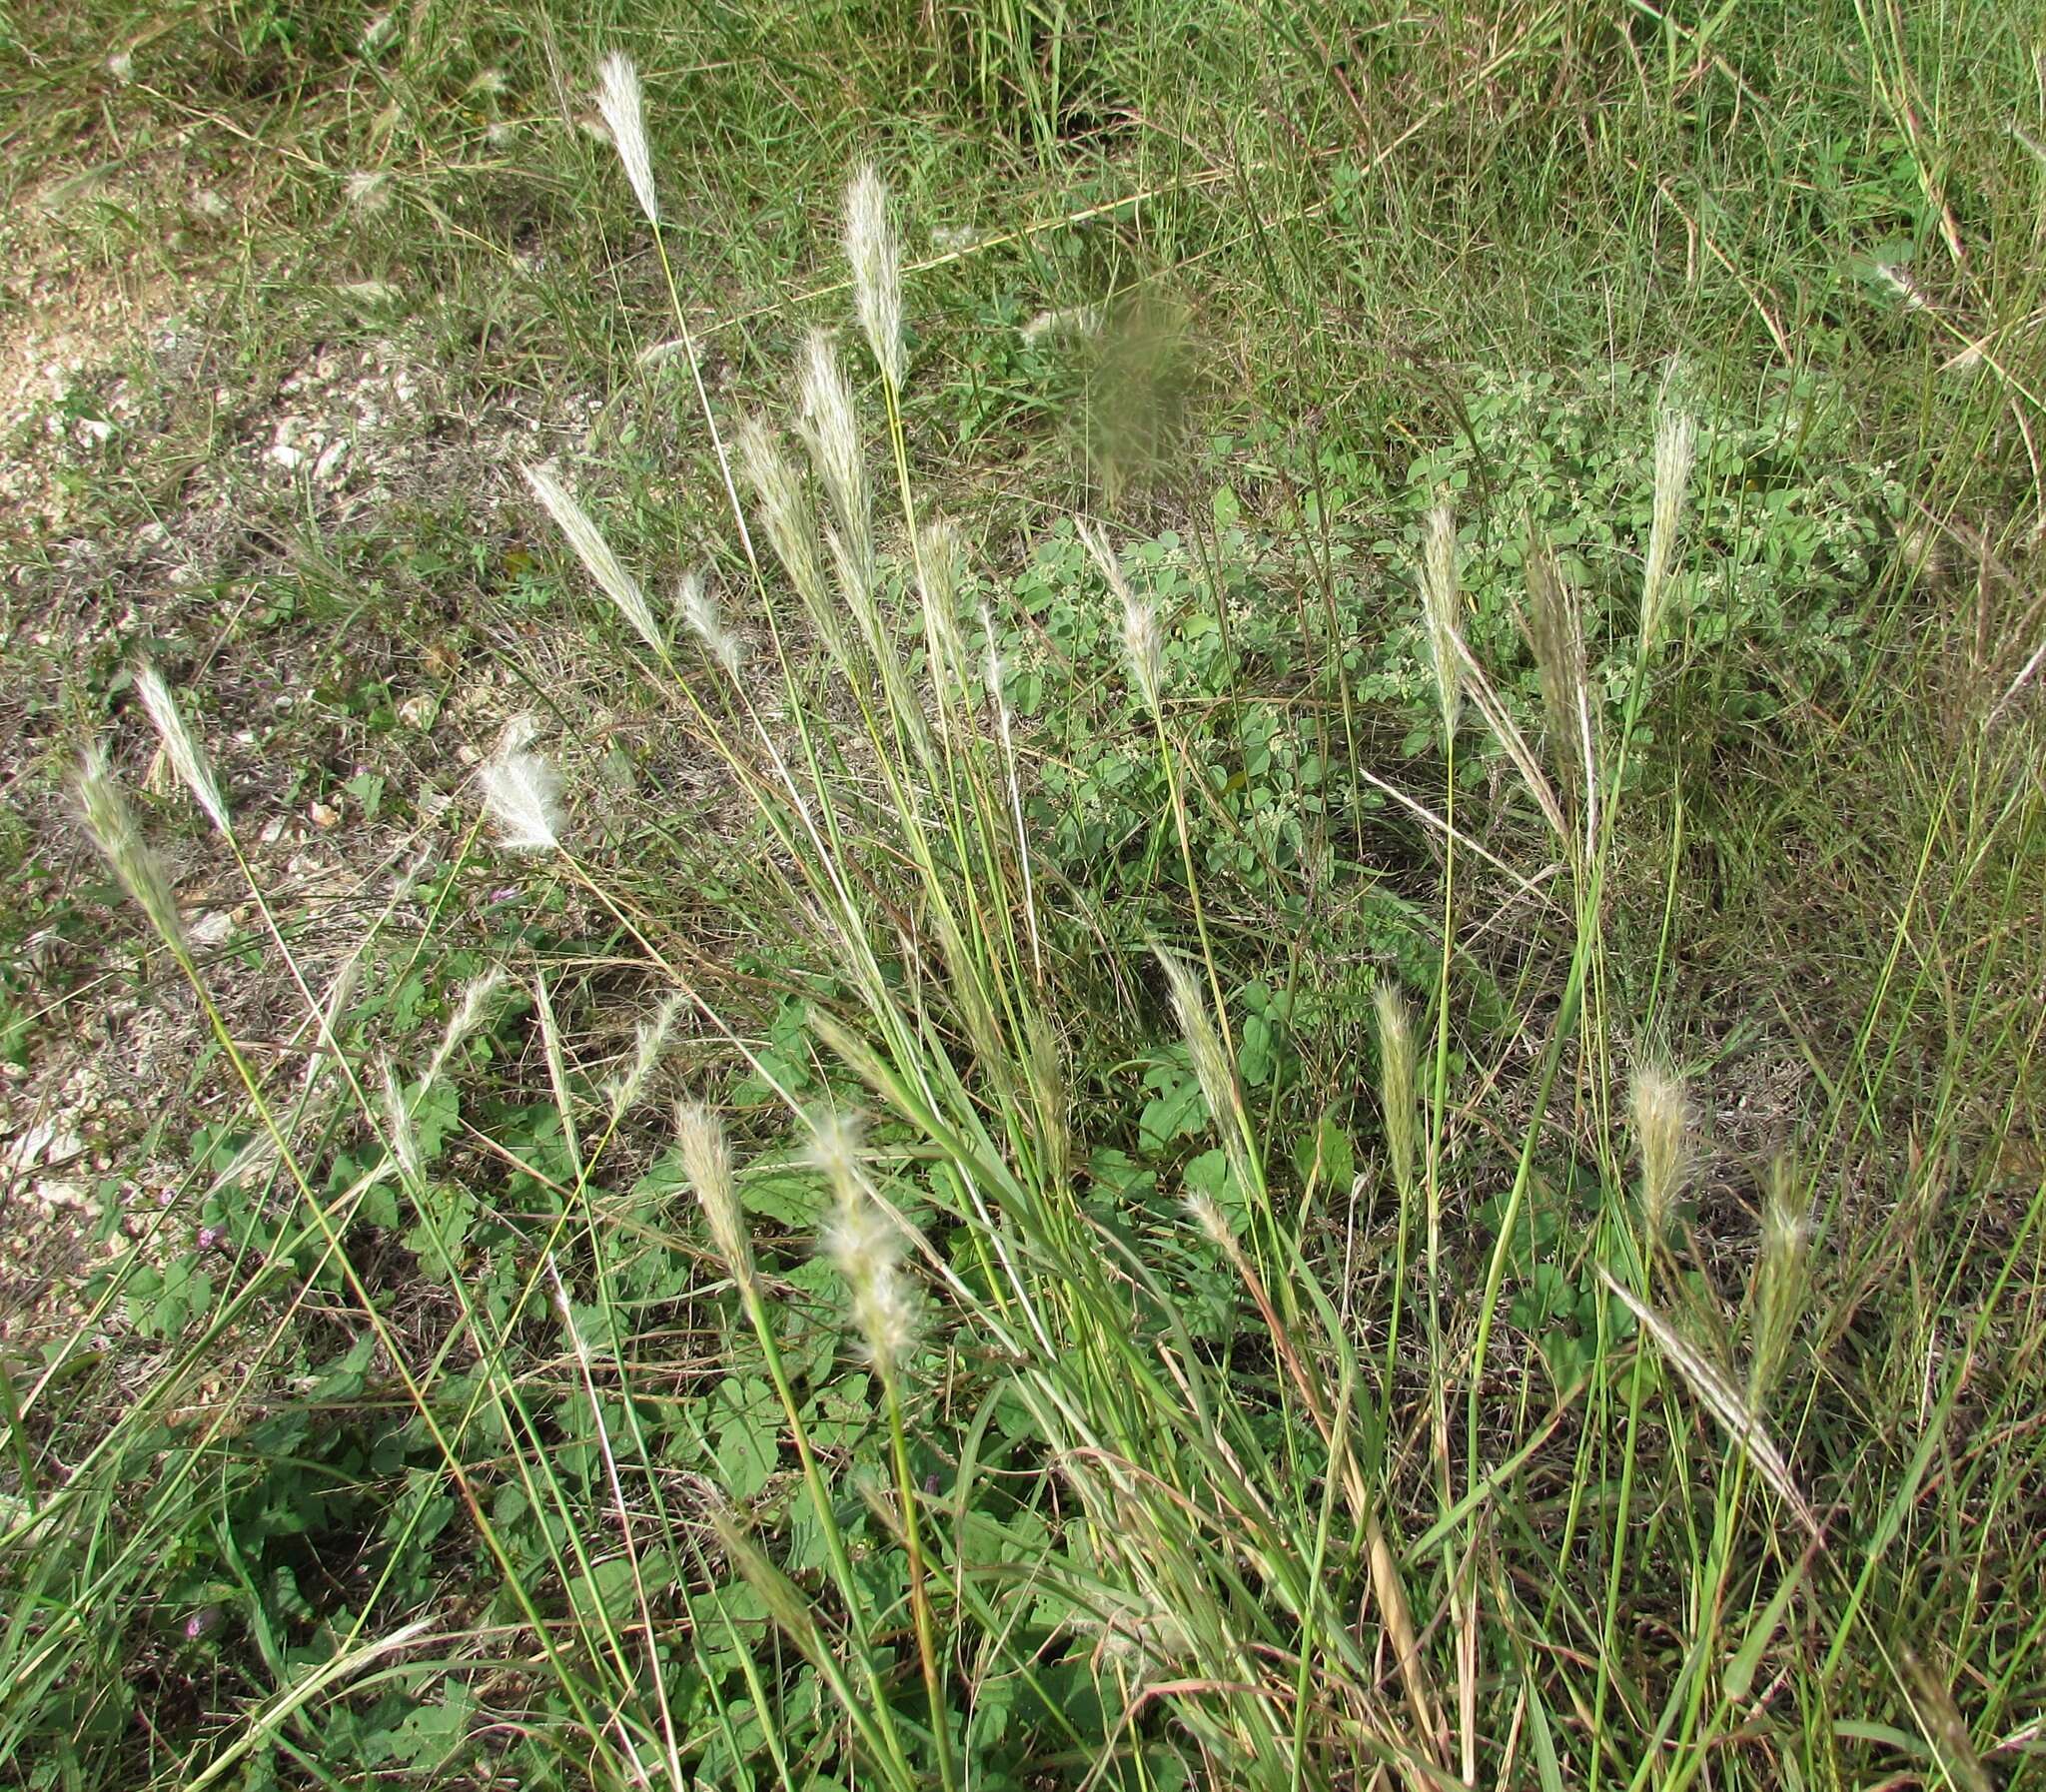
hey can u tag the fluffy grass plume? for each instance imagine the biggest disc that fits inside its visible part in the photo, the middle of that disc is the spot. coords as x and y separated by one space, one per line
706 1162
1661 1127
831 430
791 526
1143 645
703 617
1675 448
188 758
1440 604
618 101
1396 1083
876 262
596 556
522 793
864 1246
109 819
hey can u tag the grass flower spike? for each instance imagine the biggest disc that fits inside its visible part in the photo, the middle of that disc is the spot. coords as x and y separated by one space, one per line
1676 449
1439 608
876 262
831 430
114 830
1396 1083
186 756
701 613
522 793
1661 1121
617 99
1143 646
596 555
791 526
706 1160
864 1246
469 1012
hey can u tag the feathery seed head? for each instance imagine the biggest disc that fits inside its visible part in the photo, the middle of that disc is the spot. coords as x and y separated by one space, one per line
1675 451
468 1015
1207 1213
876 262
1897 277
596 555
781 1598
701 613
1439 607
1555 634
522 793
1212 1067
706 1160
864 1245
1782 1276
941 555
1395 1082
650 1037
111 822
366 191
405 1139
188 758
1143 646
833 1145
1197 1027
617 99
1661 1121
831 428
791 524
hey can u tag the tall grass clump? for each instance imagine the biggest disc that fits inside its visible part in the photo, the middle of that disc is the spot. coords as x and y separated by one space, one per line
932 1345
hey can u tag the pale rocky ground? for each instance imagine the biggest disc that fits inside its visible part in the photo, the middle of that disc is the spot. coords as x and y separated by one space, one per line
115 380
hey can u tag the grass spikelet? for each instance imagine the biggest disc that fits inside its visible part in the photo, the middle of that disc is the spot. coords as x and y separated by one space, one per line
1676 449
1396 1083
1661 1123
405 1139
617 99
1719 1397
650 1039
700 615
791 526
111 822
876 262
831 431
1438 609
780 1596
1555 628
594 552
1212 1067
522 793
940 561
706 1160
864 1246
1782 1278
188 758
1143 646
469 1012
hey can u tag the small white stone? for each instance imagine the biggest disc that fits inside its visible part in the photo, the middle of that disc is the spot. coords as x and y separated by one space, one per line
212 928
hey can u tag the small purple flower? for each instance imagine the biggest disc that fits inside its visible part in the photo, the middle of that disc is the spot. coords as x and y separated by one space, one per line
208 1238
205 1619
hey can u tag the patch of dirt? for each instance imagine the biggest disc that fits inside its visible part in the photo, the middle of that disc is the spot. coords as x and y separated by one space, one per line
151 507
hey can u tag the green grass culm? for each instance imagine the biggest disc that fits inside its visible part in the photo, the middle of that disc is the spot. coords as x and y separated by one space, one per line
1023 896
